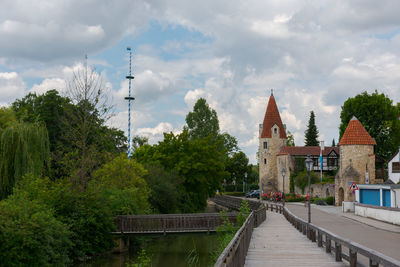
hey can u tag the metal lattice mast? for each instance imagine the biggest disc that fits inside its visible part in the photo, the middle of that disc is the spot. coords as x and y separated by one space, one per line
129 98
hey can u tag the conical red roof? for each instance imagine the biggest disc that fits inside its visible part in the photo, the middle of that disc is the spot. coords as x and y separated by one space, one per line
272 117
356 134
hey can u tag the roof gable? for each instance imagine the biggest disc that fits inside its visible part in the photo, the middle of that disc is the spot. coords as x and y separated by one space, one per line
355 134
271 118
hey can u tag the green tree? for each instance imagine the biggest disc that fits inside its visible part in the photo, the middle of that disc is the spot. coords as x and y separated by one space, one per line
237 166
121 183
290 139
7 118
379 116
24 148
138 141
311 134
198 161
202 121
165 187
333 142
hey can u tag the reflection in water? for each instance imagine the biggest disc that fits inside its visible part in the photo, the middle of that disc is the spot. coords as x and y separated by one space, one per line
169 250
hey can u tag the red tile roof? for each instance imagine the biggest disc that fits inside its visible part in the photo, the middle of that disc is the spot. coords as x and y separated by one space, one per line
307 150
356 134
271 118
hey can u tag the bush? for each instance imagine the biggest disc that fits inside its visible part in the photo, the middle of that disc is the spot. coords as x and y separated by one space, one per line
301 179
30 235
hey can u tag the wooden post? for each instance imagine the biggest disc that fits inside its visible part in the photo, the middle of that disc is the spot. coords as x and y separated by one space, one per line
164 226
319 239
353 257
327 244
373 263
313 234
338 251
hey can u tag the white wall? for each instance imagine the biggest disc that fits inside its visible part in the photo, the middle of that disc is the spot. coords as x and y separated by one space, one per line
381 214
395 177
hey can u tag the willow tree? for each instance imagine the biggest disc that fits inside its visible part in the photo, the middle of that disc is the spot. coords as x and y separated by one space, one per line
24 148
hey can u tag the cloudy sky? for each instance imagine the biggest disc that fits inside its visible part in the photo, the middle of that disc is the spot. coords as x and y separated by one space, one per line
314 54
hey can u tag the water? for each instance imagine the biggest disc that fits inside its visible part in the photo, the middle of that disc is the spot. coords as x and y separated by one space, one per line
169 250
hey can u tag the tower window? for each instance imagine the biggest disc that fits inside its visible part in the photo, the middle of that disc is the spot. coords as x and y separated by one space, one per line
265 145
275 131
265 161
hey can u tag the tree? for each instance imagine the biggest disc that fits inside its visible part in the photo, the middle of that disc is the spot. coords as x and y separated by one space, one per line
333 142
203 121
237 166
290 139
198 161
7 118
311 134
87 91
24 148
379 117
138 141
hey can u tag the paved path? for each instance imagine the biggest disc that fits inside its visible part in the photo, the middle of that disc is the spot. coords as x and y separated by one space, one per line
375 235
277 243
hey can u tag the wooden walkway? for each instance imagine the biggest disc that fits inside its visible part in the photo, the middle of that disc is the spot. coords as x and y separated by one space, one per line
277 243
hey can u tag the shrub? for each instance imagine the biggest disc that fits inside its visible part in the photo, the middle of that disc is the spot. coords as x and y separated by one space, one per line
30 235
235 194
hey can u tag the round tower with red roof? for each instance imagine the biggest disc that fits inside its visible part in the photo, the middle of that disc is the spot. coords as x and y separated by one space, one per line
272 137
357 160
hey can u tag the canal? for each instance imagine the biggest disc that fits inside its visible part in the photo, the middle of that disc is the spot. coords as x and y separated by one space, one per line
169 250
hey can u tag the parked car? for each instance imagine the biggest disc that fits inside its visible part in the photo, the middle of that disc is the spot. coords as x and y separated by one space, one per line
253 193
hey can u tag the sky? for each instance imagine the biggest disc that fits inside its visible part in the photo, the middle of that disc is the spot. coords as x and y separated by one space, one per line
314 55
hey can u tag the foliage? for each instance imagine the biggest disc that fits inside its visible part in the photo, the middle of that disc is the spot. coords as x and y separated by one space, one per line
329 200
311 134
7 118
121 183
138 141
237 166
379 117
301 180
244 212
296 198
299 163
193 258
333 142
143 260
198 162
202 121
291 184
24 148
289 139
164 188
30 234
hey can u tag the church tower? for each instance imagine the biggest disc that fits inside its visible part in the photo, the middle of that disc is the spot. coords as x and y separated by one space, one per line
272 137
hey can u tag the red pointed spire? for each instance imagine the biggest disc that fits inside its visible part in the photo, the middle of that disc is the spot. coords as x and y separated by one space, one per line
271 118
356 134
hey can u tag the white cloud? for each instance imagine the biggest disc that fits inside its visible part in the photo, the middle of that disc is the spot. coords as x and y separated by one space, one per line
48 84
11 87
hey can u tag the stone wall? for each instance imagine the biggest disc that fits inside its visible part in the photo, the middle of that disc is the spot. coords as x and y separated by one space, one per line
318 190
284 161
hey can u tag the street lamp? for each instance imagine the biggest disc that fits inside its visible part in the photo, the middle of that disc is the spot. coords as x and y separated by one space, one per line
245 182
309 164
283 193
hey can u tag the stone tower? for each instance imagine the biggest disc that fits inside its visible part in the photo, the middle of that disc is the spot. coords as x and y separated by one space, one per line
357 161
272 137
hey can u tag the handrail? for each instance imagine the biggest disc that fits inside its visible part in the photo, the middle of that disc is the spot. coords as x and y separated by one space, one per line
317 234
235 253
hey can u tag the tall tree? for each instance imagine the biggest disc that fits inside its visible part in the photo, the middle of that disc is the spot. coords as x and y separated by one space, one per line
88 92
379 116
311 134
333 142
290 139
202 121
238 166
24 148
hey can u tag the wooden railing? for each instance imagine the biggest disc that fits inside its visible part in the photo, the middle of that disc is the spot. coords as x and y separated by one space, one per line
324 238
270 205
235 253
169 223
234 202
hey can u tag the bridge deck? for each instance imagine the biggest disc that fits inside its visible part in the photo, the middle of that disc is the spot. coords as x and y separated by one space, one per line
277 243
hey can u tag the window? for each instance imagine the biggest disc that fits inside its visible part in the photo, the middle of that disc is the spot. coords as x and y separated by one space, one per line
265 161
395 167
316 162
332 162
275 131
265 145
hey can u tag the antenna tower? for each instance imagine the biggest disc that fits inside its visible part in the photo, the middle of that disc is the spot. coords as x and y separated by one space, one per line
129 98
